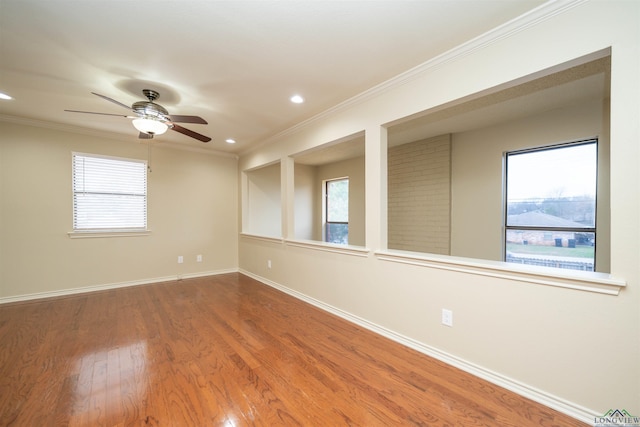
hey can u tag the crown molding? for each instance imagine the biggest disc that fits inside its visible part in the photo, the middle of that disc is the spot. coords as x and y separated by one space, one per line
119 137
532 18
43 124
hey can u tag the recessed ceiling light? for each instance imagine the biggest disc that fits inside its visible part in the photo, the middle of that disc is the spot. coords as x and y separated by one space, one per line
231 141
4 96
297 99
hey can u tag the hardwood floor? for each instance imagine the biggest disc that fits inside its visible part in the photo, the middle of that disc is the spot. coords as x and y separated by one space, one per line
227 351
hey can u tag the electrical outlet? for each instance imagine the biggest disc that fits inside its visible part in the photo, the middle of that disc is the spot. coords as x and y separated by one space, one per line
180 259
447 317
268 263
198 258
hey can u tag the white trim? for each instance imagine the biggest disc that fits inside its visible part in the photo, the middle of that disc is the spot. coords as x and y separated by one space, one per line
329 247
263 238
205 274
108 286
554 402
109 157
601 283
97 234
572 279
116 136
561 405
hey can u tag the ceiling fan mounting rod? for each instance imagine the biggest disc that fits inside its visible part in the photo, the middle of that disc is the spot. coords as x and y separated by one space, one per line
151 94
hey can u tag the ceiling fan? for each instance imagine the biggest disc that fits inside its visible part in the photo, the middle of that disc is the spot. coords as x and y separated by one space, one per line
153 119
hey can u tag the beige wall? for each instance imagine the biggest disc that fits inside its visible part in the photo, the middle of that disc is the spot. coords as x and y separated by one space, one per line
577 350
264 201
308 204
192 199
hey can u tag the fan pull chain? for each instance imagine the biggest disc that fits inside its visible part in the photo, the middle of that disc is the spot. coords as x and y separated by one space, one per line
149 156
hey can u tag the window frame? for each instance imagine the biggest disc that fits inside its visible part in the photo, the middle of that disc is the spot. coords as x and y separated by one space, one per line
325 210
109 231
505 223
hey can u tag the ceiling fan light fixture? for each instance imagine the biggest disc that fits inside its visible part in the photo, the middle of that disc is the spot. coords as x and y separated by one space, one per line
150 126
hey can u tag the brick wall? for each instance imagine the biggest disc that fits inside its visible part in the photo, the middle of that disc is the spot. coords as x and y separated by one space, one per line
419 196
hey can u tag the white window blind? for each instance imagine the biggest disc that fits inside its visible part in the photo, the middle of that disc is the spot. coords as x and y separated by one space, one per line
109 193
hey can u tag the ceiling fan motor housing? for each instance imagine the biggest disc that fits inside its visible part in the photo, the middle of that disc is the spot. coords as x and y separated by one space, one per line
149 109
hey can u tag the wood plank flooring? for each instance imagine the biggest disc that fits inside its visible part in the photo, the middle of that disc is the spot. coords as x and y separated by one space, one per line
227 351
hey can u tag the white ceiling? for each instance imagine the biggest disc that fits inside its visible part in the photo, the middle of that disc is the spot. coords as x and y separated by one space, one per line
234 63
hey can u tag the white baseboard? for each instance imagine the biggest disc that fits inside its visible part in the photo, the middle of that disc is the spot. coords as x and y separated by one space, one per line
561 405
103 287
554 402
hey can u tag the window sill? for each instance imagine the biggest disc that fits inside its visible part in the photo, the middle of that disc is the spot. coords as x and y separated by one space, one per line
261 237
92 234
572 279
329 247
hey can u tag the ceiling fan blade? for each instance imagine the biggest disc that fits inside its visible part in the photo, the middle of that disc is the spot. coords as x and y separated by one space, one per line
114 101
143 135
191 133
101 114
187 119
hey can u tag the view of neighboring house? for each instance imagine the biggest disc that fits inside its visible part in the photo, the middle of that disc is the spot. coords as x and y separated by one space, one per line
551 237
546 233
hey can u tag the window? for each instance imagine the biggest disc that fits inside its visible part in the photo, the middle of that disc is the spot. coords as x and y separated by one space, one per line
337 211
109 194
550 215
